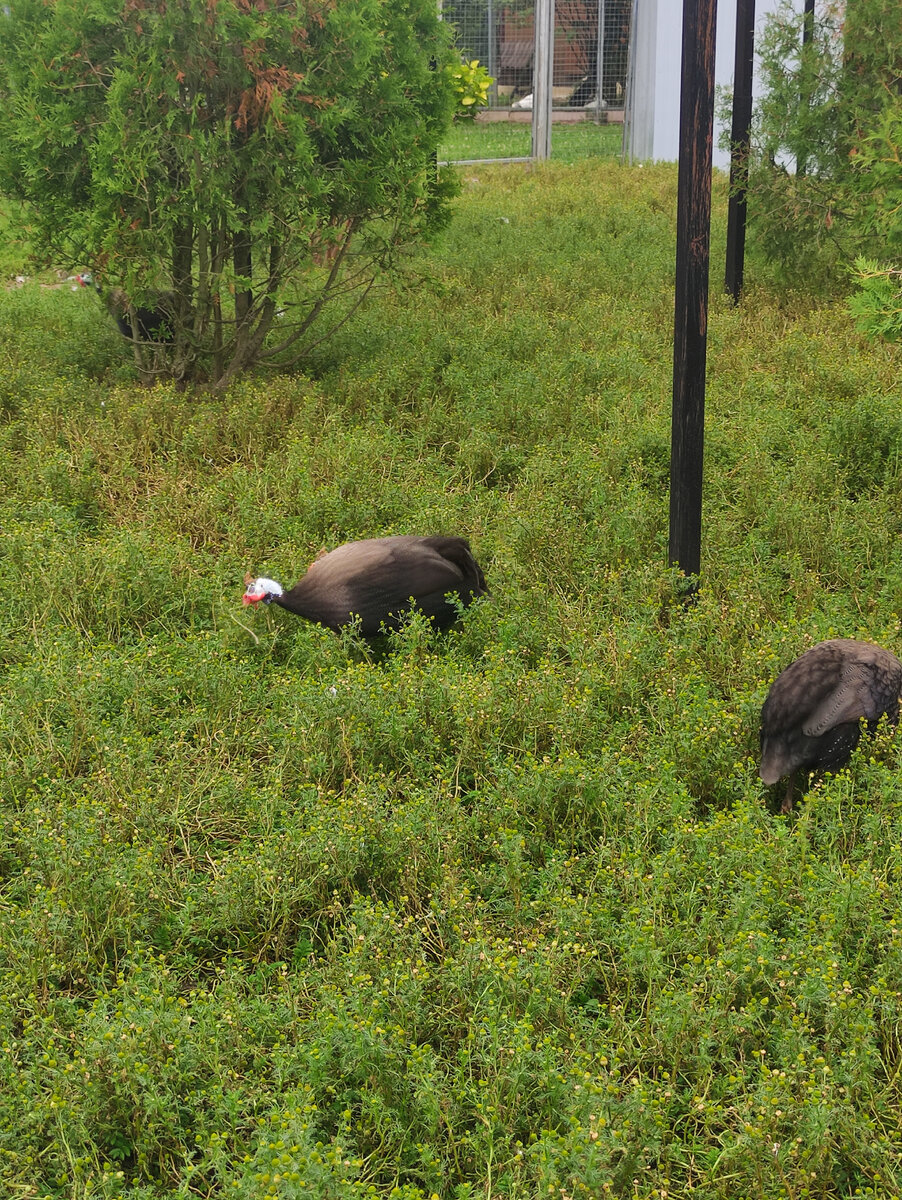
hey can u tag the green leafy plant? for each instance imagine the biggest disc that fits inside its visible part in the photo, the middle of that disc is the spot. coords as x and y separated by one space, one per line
470 82
877 304
238 168
825 90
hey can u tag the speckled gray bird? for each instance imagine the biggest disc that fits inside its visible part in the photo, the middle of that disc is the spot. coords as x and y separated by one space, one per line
811 719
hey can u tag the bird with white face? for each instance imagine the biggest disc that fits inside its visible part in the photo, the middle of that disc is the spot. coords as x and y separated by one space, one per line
377 581
260 589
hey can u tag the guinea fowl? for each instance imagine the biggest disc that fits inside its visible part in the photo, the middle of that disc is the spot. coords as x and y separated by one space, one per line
148 324
811 718
379 580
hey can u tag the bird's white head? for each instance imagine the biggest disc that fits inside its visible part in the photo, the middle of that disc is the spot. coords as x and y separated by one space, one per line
260 589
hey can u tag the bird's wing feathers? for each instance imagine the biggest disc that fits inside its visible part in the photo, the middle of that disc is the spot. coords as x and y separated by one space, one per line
809 676
863 690
399 565
832 683
457 553
852 698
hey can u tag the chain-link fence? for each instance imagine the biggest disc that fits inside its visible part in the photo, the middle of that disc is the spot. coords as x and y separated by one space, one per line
590 63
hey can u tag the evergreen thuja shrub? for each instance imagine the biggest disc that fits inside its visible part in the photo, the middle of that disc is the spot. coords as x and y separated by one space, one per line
877 302
826 91
229 172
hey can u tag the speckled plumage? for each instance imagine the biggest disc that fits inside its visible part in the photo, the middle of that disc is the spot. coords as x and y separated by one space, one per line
810 719
378 578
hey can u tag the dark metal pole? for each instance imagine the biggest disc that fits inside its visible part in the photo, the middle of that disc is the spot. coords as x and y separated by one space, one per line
739 145
807 39
808 26
599 64
691 306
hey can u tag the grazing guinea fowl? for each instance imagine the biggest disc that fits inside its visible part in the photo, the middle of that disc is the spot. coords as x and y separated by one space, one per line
810 720
379 580
150 324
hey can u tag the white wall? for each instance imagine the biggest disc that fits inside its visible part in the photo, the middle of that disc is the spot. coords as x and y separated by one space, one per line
654 108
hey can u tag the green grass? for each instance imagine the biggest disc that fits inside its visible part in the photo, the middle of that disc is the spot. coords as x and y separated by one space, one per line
12 253
500 913
509 139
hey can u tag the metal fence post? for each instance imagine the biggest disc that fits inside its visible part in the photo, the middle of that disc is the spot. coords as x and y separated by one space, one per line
743 71
599 63
543 64
491 54
807 39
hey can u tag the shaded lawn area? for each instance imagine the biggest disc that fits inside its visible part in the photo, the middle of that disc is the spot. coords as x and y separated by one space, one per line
508 139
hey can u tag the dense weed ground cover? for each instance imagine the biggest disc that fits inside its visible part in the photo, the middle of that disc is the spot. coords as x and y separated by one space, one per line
504 912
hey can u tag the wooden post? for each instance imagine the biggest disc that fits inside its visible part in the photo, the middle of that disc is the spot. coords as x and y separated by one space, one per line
808 23
691 305
739 146
543 64
807 39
